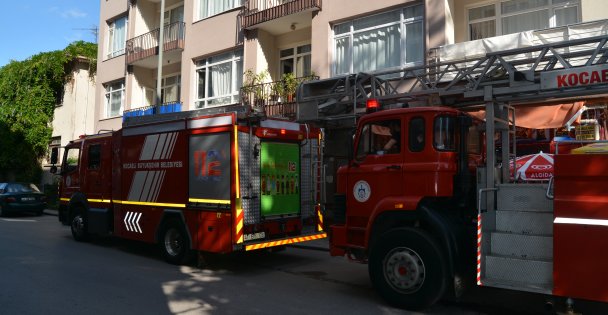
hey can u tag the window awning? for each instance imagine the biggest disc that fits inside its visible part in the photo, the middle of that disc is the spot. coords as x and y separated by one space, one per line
541 116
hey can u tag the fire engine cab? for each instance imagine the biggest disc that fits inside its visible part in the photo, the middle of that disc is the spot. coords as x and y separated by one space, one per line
195 181
428 199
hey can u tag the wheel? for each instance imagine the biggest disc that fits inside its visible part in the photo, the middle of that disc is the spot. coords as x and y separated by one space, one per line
39 212
174 242
79 227
407 268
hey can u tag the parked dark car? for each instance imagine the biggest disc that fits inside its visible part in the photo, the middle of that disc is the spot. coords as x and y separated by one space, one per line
20 198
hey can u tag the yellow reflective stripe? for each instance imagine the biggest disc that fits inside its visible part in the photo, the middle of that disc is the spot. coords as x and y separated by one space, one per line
286 241
236 161
99 200
64 199
220 201
158 204
240 216
320 215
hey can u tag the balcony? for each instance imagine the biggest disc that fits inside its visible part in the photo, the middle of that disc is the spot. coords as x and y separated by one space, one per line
276 99
141 48
260 11
166 108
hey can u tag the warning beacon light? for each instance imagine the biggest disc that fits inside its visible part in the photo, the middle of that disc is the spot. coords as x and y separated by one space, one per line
372 105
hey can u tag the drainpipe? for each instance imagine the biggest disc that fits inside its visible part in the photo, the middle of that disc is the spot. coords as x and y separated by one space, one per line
161 40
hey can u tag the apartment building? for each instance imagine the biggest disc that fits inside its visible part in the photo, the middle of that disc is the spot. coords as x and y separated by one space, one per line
209 44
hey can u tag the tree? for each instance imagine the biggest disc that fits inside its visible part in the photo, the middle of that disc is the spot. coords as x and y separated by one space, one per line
29 92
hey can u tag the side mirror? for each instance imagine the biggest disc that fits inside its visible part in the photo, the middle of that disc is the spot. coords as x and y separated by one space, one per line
53 169
54 155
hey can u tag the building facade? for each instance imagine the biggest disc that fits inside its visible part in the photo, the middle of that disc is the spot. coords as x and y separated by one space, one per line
74 113
216 52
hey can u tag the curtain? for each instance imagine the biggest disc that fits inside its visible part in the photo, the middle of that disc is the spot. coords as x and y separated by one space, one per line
208 8
377 49
221 82
119 40
342 57
526 21
481 30
413 42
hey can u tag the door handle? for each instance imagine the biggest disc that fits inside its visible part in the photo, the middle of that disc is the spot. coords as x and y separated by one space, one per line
393 167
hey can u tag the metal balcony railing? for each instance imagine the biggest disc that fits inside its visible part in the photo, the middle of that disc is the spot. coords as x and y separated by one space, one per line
276 99
259 11
146 45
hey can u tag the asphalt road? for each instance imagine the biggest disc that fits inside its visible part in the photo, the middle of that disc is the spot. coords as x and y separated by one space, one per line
44 271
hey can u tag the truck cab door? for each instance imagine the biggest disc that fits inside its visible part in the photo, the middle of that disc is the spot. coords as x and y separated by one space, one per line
70 170
375 175
96 160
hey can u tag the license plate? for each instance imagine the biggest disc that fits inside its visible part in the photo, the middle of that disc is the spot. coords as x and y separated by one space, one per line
28 199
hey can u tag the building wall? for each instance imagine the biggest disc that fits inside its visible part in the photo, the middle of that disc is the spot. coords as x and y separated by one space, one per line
205 38
76 114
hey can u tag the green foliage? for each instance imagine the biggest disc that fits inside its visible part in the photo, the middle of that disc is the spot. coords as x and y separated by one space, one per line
29 91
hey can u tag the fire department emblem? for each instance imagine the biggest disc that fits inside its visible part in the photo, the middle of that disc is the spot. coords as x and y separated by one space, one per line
362 191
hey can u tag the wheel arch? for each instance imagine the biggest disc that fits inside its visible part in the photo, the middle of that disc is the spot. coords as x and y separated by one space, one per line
170 214
425 216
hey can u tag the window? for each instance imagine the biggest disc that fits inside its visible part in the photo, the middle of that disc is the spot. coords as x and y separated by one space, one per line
512 16
117 37
296 60
381 41
94 156
444 138
379 138
71 157
170 89
174 15
55 143
416 134
219 79
207 8
115 95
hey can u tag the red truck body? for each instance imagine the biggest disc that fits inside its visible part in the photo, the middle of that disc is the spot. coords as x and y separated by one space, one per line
206 176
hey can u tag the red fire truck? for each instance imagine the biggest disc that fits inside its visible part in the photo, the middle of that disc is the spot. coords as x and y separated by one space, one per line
195 181
439 208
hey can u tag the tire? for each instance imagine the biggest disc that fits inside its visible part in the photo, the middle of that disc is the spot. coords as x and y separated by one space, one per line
174 242
408 269
78 225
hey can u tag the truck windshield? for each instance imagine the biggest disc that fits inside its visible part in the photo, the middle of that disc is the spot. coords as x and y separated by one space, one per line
70 161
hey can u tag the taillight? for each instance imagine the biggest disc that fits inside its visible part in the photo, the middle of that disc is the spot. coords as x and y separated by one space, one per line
11 199
372 105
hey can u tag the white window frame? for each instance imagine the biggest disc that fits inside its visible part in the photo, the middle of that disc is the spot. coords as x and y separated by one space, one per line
204 102
295 57
110 92
199 4
551 7
116 51
403 22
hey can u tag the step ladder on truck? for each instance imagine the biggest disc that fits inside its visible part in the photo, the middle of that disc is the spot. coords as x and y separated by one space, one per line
430 214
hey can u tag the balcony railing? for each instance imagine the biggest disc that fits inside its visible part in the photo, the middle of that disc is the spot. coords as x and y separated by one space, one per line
260 11
166 108
146 45
276 99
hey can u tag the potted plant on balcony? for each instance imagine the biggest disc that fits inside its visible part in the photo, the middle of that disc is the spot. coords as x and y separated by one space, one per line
290 84
253 88
277 90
